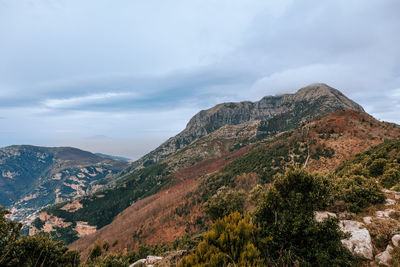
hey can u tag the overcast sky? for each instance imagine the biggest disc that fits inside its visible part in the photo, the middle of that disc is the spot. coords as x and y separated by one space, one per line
120 77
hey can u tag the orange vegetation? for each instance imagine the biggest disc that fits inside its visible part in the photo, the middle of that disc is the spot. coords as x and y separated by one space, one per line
348 133
154 218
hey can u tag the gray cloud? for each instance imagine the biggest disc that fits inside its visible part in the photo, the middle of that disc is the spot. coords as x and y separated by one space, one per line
133 70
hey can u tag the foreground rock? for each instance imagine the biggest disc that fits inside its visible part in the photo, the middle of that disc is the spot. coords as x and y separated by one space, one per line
384 257
149 261
395 240
322 215
360 241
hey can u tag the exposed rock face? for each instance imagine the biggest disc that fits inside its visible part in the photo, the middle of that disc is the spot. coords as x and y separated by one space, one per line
360 241
278 113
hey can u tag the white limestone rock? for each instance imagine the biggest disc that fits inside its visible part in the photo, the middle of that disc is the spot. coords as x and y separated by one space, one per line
390 202
395 240
384 257
322 215
360 241
138 263
367 220
384 213
153 259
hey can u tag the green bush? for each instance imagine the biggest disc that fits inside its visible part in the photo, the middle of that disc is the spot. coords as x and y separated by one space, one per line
358 192
231 241
390 178
289 233
224 202
283 231
377 166
37 250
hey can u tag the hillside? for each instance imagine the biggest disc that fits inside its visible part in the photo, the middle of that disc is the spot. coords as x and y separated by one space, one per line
278 114
33 177
177 210
210 134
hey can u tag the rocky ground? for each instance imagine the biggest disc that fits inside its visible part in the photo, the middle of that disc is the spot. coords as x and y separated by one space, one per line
373 235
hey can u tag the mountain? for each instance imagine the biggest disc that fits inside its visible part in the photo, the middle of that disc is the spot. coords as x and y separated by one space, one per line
277 114
176 210
211 140
33 177
112 157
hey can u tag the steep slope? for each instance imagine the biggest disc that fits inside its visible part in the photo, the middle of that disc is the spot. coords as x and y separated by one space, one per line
210 135
32 177
279 113
176 210
100 209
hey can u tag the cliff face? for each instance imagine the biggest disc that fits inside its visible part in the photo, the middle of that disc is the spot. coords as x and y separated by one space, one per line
277 113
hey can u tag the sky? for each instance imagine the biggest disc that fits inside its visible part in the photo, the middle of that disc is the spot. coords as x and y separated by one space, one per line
121 77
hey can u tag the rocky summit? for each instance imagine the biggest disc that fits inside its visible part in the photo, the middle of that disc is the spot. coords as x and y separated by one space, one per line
277 114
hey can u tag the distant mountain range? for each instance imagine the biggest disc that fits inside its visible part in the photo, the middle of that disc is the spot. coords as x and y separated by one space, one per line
33 177
112 157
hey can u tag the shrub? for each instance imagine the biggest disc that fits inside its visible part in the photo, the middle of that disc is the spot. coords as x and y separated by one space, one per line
224 202
230 241
390 178
358 192
289 233
37 250
377 166
96 251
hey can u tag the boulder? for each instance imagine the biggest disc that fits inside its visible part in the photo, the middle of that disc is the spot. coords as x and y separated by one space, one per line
390 202
384 257
367 220
384 213
322 215
346 215
148 262
359 243
395 240
138 263
153 259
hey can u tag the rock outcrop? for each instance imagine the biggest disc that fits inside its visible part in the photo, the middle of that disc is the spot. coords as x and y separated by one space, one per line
322 215
384 257
359 243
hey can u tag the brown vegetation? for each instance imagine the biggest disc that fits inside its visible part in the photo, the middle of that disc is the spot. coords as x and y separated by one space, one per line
153 219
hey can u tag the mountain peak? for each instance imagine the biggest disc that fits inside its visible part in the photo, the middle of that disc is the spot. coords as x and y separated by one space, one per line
321 90
275 114
317 90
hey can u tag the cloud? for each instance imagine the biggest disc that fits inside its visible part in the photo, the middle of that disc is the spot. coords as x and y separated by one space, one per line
134 70
85 100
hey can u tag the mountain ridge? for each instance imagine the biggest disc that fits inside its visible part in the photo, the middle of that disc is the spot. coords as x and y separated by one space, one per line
321 97
157 170
175 210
